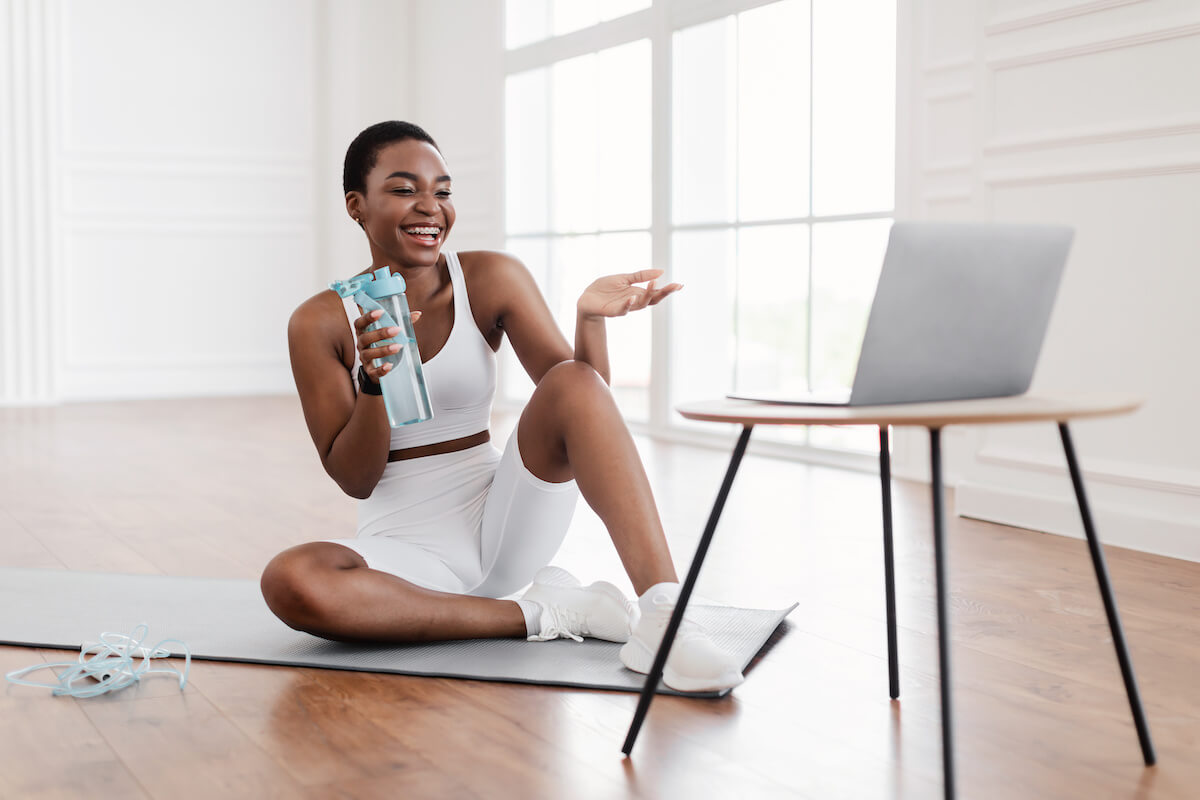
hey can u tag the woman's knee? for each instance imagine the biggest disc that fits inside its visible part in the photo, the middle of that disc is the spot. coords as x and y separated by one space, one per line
577 379
293 582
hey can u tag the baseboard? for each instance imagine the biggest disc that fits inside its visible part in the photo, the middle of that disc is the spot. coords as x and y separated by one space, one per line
1174 535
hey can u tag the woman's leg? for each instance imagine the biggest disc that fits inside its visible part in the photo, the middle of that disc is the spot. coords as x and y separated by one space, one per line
328 590
572 428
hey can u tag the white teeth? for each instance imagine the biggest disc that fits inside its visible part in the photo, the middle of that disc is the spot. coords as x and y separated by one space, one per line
423 231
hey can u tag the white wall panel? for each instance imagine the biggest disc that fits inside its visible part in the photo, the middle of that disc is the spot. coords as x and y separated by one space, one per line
950 137
1126 308
1009 15
168 166
225 77
1133 81
137 191
1086 114
949 32
187 205
29 266
185 296
950 207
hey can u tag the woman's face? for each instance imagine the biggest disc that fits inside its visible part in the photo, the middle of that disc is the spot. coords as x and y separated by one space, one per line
407 211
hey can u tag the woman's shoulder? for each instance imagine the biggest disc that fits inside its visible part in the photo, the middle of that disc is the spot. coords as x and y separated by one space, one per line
321 317
490 261
498 282
494 270
320 309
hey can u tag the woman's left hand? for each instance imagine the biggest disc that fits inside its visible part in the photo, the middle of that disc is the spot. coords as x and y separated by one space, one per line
617 295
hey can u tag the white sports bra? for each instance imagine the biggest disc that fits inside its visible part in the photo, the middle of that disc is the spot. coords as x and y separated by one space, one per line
461 378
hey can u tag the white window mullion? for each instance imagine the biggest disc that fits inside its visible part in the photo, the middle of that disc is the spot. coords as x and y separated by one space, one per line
808 338
603 36
686 13
735 88
660 210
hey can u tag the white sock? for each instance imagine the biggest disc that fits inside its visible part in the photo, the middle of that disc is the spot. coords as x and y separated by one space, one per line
533 616
670 590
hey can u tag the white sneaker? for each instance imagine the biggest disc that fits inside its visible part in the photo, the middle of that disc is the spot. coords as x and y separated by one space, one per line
695 663
572 611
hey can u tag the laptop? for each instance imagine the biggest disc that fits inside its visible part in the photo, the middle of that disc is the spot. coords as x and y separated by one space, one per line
960 312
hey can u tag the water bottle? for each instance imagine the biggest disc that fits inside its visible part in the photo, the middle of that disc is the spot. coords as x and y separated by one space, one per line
404 393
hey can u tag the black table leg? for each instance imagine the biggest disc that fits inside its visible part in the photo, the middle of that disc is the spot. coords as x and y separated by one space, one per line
889 569
943 610
1110 602
685 593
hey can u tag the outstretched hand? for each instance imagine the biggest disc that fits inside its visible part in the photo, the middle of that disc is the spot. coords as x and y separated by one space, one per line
617 295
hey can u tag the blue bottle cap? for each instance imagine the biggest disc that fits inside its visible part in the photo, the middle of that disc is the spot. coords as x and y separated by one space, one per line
385 284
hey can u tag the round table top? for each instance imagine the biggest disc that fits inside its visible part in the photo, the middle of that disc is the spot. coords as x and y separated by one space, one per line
1022 408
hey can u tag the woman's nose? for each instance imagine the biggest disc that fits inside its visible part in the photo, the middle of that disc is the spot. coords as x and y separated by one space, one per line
426 203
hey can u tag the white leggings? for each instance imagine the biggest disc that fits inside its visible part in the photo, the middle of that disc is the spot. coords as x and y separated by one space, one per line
471 522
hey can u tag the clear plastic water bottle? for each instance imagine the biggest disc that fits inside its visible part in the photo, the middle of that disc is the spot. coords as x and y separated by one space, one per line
404 392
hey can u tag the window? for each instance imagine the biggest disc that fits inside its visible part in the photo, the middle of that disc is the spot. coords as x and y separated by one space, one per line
529 21
774 211
578 194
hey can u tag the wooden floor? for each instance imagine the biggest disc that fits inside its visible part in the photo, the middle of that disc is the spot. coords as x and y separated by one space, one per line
216 487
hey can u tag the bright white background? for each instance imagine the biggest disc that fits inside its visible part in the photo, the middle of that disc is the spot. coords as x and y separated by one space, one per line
170 188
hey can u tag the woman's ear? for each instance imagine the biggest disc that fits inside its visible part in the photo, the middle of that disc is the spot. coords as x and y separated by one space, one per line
354 206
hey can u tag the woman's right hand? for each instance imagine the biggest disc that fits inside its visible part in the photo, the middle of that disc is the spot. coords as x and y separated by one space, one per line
369 348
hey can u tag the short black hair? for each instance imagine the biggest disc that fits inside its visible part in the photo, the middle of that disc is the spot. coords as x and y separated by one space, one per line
364 150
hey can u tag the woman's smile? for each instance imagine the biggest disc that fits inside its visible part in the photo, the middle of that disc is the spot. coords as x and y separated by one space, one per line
424 235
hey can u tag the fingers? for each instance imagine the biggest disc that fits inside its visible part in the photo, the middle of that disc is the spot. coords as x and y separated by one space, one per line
363 322
662 293
380 351
644 275
641 298
368 356
376 373
366 319
371 344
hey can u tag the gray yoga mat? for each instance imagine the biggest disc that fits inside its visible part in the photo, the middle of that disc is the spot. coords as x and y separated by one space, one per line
227 620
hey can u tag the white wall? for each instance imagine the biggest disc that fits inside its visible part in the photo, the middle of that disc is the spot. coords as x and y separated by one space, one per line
1085 113
170 185
170 189
458 60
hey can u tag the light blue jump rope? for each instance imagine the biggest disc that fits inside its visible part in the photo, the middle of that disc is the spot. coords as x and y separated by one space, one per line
110 665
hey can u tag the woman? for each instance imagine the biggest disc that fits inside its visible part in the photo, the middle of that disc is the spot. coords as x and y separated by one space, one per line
447 523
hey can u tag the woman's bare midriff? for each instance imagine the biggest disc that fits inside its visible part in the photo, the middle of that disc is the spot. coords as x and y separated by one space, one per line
438 448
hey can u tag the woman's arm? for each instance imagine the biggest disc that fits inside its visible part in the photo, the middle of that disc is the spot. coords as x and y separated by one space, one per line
612 296
350 430
591 344
512 304
521 312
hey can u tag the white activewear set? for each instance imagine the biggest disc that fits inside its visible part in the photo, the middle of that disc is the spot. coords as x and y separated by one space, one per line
475 521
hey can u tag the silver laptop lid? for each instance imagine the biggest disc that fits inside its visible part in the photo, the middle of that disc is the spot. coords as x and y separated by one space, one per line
960 311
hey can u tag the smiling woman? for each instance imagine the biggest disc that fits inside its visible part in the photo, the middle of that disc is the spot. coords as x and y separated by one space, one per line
448 524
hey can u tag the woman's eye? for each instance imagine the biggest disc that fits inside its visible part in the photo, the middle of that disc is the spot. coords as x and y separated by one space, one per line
444 193
403 190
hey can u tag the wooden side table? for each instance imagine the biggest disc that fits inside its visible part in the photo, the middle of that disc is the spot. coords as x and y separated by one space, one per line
934 417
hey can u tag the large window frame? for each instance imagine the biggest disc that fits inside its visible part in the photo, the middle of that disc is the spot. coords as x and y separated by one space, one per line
659 24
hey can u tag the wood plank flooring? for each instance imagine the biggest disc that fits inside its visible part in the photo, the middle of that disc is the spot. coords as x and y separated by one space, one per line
216 487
